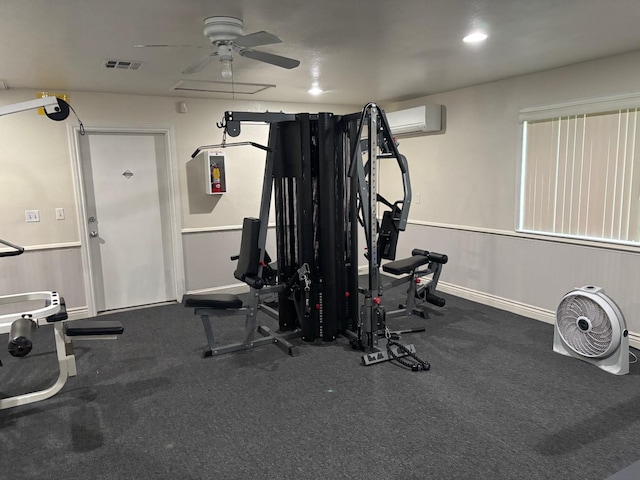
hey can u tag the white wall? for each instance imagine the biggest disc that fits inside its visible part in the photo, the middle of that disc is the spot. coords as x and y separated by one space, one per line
467 181
37 169
37 173
467 175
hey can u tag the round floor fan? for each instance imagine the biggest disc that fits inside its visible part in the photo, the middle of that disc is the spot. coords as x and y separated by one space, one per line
590 326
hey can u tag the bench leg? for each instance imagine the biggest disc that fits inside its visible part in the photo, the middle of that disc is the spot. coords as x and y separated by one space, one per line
208 331
66 366
281 340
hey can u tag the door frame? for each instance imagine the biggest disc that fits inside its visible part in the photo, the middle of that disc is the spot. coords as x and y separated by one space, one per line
173 195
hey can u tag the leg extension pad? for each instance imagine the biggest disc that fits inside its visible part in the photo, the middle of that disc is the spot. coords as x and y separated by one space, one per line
84 328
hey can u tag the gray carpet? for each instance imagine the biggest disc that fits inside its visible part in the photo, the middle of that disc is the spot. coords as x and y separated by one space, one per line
496 404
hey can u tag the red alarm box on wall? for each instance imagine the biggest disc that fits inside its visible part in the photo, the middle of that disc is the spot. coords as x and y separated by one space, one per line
215 180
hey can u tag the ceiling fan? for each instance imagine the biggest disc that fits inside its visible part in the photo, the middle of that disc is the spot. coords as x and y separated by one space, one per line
226 35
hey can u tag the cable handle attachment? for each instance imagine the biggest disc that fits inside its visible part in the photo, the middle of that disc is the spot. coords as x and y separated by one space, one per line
419 366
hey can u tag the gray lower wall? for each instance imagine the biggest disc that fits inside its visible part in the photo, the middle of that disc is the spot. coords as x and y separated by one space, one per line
206 260
57 269
527 275
207 255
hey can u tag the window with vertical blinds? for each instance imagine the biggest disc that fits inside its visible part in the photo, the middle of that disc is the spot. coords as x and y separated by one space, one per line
580 176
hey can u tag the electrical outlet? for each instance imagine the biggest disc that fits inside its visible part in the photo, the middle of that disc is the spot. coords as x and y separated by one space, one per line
59 213
417 198
32 215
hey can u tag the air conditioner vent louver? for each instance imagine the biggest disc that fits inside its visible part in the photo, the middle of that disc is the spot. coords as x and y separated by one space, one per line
122 65
590 326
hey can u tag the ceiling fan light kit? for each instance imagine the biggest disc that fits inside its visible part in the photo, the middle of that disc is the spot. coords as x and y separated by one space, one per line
226 57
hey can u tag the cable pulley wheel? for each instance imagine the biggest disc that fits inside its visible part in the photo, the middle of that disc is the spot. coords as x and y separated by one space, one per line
61 113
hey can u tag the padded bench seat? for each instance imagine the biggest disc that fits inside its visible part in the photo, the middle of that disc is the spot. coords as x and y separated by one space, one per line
219 301
406 265
78 328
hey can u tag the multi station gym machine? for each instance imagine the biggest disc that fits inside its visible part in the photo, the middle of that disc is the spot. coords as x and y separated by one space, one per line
322 170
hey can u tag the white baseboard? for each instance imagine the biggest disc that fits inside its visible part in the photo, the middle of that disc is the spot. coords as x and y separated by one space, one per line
233 288
529 311
78 313
634 340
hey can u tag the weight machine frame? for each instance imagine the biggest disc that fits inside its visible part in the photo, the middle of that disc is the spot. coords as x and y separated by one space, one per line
380 145
323 183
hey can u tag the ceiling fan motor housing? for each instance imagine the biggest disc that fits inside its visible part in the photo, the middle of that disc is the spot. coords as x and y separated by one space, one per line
590 326
223 29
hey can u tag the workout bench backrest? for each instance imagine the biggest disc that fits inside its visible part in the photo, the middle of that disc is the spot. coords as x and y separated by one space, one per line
249 258
389 231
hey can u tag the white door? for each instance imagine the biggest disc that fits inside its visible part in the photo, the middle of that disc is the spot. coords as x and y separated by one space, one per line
127 219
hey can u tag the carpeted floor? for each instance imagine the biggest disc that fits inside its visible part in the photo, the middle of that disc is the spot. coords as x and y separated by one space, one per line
496 404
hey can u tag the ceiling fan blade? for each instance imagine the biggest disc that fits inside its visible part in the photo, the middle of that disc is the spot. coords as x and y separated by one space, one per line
200 64
165 45
256 39
277 60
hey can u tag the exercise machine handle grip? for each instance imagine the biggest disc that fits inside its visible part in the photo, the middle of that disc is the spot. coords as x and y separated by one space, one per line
435 300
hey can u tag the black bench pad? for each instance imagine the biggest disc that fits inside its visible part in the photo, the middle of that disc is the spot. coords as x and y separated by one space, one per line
78 328
215 300
406 265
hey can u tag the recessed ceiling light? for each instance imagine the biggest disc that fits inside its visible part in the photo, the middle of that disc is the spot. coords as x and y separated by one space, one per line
315 89
475 37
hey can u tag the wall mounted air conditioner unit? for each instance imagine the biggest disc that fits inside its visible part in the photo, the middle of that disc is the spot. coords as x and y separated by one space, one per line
423 119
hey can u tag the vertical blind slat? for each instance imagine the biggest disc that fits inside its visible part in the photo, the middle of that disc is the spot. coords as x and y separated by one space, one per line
578 176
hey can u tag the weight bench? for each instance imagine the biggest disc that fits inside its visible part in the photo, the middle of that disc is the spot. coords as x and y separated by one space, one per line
411 269
252 270
20 327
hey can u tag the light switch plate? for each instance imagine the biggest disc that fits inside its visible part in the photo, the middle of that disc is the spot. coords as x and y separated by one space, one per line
32 215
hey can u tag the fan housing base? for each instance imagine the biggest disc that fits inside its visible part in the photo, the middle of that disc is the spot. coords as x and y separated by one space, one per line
223 29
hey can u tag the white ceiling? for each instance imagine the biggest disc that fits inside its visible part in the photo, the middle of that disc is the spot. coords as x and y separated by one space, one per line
359 51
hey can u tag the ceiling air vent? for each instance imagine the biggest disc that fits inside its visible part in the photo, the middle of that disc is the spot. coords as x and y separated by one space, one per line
122 65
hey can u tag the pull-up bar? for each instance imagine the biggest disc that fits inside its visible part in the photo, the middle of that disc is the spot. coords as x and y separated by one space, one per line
225 145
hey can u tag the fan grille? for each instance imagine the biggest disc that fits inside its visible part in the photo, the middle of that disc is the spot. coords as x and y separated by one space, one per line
584 326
